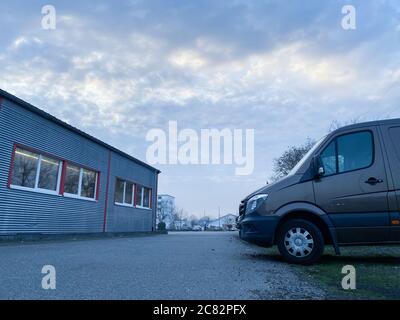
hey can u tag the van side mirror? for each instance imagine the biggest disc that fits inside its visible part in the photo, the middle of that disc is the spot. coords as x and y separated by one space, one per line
319 169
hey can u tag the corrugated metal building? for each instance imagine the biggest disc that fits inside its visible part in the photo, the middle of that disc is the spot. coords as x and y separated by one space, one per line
57 179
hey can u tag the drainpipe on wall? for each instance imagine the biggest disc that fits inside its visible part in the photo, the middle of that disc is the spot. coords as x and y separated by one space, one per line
107 188
155 202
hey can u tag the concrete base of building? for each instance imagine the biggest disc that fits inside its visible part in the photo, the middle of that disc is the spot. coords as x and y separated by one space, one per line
35 237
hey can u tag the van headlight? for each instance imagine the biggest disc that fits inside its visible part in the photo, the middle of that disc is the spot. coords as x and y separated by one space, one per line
255 202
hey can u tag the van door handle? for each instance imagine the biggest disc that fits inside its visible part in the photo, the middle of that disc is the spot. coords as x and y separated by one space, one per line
373 181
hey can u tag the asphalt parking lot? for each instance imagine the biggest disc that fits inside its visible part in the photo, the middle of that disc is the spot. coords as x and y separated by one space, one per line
185 265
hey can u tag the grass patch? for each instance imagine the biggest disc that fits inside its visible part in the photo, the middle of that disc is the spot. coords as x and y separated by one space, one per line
377 272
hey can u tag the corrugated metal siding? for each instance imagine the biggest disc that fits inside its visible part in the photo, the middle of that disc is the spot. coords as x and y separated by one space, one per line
125 218
30 212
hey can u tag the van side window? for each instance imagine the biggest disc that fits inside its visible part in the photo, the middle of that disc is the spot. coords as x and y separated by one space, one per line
328 158
348 152
355 151
394 133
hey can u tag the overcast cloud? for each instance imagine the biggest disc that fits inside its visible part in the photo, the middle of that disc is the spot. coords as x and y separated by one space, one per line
286 69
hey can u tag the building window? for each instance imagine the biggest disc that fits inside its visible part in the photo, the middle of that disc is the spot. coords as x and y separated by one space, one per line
128 193
80 182
49 173
143 196
34 171
119 191
89 179
124 193
72 176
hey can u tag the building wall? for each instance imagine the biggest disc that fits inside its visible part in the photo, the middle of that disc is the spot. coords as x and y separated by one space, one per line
32 212
126 218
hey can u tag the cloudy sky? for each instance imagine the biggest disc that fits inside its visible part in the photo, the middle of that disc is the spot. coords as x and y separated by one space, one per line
286 69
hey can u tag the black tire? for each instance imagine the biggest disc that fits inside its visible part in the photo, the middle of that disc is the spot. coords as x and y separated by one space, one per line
289 236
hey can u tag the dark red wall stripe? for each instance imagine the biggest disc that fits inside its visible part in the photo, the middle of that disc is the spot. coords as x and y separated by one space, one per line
136 194
11 165
63 173
155 204
98 186
107 187
151 199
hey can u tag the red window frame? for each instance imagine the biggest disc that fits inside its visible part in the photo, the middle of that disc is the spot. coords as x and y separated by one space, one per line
135 195
63 169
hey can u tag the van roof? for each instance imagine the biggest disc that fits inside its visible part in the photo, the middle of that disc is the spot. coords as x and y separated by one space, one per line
369 124
67 126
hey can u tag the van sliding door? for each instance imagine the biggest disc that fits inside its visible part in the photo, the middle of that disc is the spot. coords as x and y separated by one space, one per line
391 136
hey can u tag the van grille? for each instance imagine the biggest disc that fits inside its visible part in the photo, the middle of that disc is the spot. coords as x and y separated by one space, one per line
242 207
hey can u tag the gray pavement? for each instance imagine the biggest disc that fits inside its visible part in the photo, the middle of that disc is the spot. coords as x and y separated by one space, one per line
189 265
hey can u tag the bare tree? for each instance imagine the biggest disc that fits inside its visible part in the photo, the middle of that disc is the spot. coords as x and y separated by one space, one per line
335 124
289 159
24 171
204 222
193 221
177 218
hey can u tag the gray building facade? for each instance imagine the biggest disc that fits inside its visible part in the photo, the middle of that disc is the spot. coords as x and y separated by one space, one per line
56 179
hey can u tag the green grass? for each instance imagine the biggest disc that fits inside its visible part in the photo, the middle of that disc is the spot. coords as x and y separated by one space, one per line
377 272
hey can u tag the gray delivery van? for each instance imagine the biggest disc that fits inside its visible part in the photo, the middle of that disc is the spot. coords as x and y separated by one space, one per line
345 191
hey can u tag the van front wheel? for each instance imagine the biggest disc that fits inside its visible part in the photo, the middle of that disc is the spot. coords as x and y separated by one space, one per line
300 241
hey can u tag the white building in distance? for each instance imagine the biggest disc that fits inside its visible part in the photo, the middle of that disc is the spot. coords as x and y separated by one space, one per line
227 222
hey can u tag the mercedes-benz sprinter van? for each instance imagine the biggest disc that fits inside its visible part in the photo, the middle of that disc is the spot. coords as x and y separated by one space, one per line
345 191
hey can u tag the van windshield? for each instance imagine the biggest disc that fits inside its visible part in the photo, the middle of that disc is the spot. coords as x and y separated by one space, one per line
306 156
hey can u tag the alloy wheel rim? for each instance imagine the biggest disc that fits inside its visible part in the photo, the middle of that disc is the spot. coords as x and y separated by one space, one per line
299 242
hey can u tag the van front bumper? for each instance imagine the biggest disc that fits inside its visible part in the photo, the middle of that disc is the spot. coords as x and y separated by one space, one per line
258 229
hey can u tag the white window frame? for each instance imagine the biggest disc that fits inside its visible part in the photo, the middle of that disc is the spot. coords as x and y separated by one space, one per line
123 204
36 187
142 198
79 196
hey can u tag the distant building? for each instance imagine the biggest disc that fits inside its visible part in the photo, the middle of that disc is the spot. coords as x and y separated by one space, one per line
165 209
227 222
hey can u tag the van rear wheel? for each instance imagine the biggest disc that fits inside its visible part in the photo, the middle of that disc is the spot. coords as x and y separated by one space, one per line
300 241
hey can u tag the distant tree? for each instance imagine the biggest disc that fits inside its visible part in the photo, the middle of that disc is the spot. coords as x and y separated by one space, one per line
161 225
178 218
193 221
204 222
289 159
337 124
162 212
